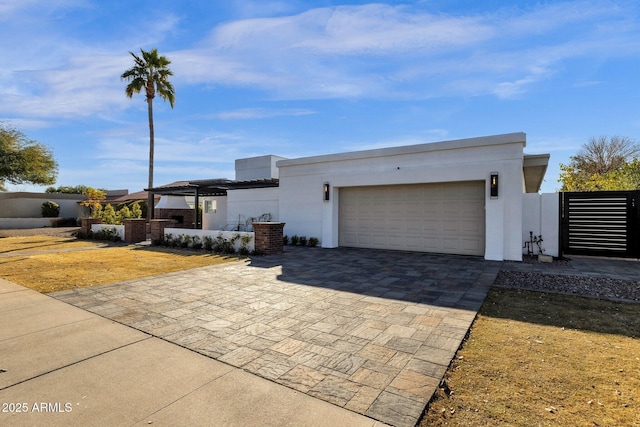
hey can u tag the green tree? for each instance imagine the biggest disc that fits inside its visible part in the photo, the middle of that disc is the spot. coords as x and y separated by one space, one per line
94 201
603 164
23 160
78 189
150 73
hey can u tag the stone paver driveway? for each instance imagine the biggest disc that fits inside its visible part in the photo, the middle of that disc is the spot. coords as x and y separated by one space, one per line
371 331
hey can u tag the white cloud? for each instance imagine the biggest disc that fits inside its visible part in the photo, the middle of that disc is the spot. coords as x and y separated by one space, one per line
261 113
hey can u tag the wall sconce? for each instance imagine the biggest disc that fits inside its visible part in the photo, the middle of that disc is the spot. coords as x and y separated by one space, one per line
325 192
494 185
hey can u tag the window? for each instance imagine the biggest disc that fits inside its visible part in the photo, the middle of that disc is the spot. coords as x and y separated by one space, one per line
210 206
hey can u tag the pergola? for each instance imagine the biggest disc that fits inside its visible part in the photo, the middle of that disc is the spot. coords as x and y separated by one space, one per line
208 188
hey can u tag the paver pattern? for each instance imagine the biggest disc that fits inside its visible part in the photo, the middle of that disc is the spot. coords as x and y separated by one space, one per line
371 331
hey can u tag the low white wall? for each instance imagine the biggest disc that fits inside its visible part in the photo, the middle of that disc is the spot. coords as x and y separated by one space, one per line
19 223
540 215
119 228
228 235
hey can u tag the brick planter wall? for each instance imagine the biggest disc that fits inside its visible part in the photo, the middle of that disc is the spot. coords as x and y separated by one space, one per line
268 237
86 223
157 227
135 230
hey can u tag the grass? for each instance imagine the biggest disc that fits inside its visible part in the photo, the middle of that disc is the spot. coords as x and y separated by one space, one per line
46 264
541 359
40 243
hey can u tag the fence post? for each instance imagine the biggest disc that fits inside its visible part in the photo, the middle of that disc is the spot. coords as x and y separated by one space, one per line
268 237
86 223
157 227
135 230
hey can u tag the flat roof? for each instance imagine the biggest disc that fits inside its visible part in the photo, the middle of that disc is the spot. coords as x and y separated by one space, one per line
507 138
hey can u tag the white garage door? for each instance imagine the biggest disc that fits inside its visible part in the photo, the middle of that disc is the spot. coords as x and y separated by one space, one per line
442 218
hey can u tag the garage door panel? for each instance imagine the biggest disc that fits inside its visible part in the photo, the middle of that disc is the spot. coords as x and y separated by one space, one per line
446 218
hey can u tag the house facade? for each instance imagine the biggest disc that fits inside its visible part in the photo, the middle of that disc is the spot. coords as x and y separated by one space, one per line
459 197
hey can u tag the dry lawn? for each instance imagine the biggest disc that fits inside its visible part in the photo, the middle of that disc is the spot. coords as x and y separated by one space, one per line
50 264
535 359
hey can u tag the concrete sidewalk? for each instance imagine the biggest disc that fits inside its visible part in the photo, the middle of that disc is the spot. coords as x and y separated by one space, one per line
61 365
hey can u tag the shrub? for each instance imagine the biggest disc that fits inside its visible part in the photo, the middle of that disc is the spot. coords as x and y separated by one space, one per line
176 242
50 209
186 242
136 210
244 243
294 239
108 234
109 215
208 243
223 246
78 234
302 240
285 240
313 242
196 243
122 214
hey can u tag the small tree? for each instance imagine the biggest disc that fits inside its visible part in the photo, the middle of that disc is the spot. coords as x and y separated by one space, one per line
109 215
94 201
136 211
122 214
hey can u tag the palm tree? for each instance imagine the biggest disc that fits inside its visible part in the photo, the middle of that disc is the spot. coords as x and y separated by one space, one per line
150 73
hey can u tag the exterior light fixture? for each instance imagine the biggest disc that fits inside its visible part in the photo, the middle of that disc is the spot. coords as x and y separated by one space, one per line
494 185
325 192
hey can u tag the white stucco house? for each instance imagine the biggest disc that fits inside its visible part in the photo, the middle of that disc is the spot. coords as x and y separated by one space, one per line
460 197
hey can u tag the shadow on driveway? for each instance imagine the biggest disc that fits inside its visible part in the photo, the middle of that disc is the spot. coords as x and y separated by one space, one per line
453 281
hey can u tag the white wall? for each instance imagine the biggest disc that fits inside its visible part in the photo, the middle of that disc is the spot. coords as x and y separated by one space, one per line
305 213
29 205
218 219
541 215
252 202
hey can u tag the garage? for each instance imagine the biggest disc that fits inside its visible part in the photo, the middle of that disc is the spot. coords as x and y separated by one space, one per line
441 217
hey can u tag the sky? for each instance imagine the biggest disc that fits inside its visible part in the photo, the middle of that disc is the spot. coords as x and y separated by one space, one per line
302 78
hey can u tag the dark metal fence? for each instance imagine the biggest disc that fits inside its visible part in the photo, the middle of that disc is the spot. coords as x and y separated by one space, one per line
604 223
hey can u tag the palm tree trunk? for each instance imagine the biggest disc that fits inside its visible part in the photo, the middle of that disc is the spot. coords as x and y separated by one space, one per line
150 199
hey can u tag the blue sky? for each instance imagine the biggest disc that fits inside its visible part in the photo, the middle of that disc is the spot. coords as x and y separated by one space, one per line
301 78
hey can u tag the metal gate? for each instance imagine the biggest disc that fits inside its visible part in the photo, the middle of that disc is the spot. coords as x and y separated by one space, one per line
604 223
